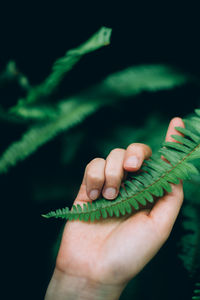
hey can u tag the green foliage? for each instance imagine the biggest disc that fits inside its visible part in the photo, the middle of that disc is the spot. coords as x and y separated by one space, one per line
192 189
64 65
45 115
115 87
50 120
153 181
190 241
196 291
64 115
133 81
71 113
11 72
123 135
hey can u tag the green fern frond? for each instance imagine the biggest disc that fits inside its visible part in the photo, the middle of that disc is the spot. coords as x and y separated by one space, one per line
153 181
65 64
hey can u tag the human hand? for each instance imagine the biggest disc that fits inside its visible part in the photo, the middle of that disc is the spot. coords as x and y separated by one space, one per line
97 259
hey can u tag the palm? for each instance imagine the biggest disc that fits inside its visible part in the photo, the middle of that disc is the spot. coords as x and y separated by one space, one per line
105 249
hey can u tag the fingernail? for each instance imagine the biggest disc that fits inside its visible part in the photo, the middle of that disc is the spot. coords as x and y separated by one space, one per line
110 193
94 194
132 161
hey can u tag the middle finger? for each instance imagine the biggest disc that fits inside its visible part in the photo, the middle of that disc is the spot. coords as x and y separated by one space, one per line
114 173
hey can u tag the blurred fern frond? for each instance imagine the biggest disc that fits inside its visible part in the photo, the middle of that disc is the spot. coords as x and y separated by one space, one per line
190 241
192 190
71 113
196 292
50 120
11 72
137 79
63 65
126 83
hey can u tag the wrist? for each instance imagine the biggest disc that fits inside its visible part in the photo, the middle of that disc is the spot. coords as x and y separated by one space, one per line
64 286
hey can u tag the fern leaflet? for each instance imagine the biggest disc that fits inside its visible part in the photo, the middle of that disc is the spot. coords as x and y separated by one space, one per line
153 181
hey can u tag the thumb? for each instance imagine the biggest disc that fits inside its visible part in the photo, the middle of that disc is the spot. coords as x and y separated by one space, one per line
165 211
175 122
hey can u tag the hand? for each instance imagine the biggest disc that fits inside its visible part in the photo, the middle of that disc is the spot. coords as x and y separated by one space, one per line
97 259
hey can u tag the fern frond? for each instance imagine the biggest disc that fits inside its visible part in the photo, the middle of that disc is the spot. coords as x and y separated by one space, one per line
71 112
153 181
126 83
65 64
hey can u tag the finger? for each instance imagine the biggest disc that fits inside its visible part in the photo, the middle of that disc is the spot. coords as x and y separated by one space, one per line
165 211
135 155
82 195
175 122
114 173
95 177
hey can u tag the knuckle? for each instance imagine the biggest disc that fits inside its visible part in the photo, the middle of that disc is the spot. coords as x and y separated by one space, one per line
117 150
139 147
148 149
112 175
93 161
97 159
97 178
133 147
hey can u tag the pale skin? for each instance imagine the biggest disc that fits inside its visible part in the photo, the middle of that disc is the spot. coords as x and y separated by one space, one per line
97 259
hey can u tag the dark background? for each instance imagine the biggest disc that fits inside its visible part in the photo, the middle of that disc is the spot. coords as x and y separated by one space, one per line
34 35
